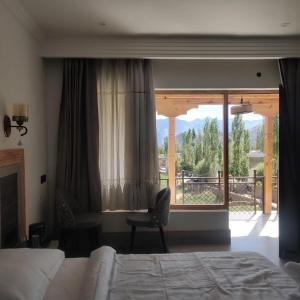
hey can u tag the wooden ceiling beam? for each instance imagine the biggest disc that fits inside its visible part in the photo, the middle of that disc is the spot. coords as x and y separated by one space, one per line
173 104
219 98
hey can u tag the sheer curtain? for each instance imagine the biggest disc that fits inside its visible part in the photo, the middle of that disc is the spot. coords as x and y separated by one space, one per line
127 129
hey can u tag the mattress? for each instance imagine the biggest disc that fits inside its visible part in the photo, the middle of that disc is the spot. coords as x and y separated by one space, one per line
37 274
219 275
200 275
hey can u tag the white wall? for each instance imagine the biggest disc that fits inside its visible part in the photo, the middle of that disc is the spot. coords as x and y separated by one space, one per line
215 74
180 220
53 88
167 74
21 80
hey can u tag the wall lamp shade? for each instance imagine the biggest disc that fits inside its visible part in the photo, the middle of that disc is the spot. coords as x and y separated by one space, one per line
20 116
242 108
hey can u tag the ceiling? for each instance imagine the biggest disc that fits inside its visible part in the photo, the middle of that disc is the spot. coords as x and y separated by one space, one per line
92 18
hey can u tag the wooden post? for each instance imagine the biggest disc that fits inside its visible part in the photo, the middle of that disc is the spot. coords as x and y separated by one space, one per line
182 181
268 150
225 152
254 190
172 159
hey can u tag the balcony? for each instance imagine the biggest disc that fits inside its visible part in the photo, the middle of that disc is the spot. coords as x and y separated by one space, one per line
246 194
251 193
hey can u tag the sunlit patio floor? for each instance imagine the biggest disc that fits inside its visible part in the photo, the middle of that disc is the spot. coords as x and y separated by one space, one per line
253 225
255 232
249 232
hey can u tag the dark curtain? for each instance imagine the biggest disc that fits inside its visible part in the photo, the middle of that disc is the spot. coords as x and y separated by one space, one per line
78 137
289 162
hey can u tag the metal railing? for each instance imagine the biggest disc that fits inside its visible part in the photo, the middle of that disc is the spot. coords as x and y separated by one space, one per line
246 194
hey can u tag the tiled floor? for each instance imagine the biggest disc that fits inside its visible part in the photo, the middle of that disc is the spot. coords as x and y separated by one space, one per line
254 225
249 232
257 233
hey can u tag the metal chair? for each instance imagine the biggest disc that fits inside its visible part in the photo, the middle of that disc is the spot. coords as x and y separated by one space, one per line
155 217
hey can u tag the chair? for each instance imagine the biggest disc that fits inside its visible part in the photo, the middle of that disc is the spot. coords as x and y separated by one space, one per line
155 217
71 223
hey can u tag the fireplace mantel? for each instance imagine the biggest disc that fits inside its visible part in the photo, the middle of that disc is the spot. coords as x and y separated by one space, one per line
15 157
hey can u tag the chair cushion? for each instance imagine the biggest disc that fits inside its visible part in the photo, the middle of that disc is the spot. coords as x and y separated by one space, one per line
66 218
163 205
140 219
87 220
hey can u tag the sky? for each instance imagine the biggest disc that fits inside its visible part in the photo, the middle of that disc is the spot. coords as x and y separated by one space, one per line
212 111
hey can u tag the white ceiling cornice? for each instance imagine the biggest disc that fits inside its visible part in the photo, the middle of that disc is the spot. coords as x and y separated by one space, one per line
172 47
20 13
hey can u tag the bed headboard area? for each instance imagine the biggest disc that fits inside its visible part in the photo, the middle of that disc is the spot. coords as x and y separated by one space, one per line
12 198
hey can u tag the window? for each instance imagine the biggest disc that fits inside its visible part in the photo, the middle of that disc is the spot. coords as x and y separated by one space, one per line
195 141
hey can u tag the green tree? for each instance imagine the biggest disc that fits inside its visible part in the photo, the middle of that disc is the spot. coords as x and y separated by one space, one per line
188 150
164 148
201 152
246 150
198 148
246 141
210 158
260 169
239 165
203 168
260 138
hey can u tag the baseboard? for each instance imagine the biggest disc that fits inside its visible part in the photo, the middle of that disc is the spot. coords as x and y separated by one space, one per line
145 239
289 255
204 236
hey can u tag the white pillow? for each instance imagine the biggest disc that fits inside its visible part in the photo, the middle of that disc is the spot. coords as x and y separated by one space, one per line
26 273
293 269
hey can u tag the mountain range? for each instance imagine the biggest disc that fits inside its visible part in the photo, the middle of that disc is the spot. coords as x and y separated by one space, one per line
197 124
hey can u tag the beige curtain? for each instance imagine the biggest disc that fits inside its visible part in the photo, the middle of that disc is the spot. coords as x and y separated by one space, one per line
128 151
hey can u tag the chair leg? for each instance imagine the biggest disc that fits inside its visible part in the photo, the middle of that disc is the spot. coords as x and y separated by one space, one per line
61 239
162 236
133 229
94 237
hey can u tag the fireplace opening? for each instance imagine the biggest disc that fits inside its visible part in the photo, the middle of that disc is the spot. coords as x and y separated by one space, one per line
9 208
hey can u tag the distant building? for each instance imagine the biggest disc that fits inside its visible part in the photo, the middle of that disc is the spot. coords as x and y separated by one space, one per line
255 157
162 163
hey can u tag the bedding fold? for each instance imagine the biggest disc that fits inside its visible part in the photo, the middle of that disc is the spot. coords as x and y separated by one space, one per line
99 273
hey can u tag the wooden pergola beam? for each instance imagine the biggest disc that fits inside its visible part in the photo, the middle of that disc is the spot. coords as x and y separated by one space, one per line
218 98
176 104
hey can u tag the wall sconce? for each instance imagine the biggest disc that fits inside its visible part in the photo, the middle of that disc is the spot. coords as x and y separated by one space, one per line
20 116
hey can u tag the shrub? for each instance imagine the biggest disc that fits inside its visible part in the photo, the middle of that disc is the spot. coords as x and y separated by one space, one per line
260 169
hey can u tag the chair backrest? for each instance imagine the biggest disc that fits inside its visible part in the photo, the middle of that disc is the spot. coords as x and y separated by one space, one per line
65 216
162 205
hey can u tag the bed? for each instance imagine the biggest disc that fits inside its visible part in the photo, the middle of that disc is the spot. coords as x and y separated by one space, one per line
47 274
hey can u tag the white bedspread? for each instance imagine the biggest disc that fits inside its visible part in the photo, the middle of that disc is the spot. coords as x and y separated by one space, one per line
203 275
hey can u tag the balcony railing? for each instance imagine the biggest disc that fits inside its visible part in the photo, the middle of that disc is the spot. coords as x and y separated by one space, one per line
246 194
